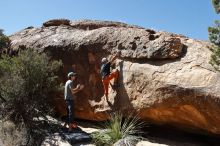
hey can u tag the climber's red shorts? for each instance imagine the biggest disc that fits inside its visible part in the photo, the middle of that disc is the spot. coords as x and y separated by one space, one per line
107 79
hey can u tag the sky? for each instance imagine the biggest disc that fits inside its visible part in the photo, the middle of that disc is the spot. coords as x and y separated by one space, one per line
187 17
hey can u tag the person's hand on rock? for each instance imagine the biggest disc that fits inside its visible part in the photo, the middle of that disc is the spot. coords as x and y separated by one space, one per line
78 86
81 87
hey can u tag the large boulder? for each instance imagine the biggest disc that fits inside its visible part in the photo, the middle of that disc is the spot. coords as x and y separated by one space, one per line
166 78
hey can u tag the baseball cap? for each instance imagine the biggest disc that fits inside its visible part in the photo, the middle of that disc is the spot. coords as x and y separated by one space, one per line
104 60
70 74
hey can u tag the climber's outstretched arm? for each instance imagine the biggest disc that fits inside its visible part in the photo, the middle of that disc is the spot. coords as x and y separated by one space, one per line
115 57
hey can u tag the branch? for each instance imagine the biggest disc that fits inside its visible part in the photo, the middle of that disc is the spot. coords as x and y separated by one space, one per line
3 99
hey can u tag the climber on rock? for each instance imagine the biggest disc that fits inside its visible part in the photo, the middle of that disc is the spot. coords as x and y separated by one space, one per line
69 91
107 75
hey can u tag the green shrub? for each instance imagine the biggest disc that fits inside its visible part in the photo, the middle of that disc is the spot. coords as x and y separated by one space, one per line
119 130
27 80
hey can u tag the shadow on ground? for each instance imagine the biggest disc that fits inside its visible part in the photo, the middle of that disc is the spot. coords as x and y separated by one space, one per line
155 135
173 137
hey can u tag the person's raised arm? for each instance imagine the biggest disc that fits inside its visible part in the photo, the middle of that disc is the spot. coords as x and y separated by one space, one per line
115 57
77 89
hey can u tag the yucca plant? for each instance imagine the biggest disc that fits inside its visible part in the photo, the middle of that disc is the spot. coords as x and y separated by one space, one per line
119 131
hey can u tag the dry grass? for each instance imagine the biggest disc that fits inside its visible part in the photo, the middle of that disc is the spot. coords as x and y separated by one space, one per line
12 135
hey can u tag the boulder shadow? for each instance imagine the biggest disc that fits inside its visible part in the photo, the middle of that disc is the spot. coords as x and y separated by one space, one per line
122 102
172 136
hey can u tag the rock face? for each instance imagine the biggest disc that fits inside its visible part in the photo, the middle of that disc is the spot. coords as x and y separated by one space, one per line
164 77
57 22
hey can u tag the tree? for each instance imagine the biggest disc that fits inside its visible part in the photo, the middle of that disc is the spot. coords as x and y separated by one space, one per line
214 37
4 41
1 32
27 80
216 4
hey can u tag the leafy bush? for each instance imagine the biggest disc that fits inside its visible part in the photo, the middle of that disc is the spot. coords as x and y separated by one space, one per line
119 130
26 83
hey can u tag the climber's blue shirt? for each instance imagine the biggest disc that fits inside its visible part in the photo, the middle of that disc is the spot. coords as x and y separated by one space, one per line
105 69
